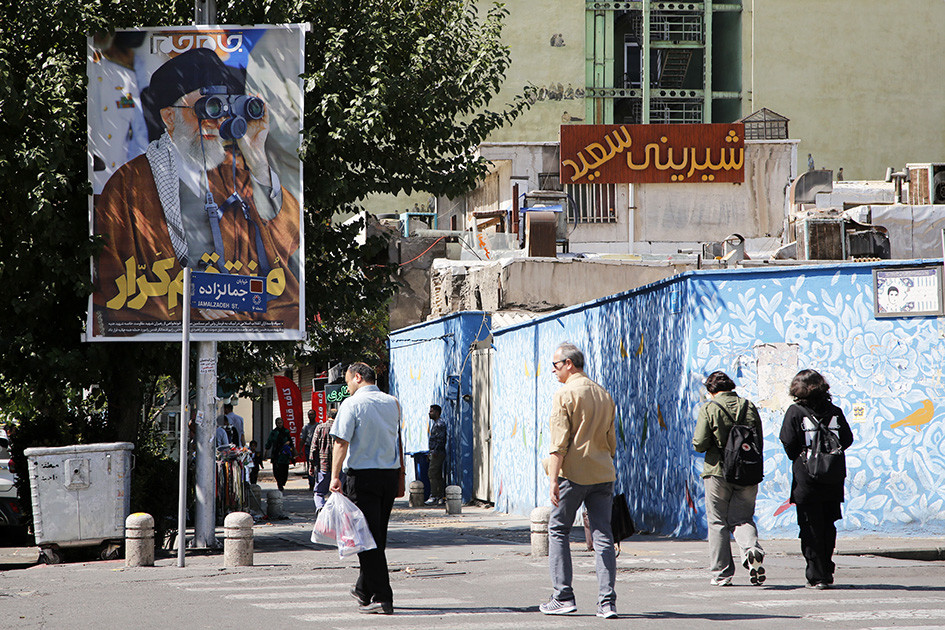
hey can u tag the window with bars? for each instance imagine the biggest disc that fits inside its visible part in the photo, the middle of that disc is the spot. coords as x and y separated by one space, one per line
592 203
587 203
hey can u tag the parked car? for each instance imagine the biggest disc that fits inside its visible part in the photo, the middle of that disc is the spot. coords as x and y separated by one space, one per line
11 516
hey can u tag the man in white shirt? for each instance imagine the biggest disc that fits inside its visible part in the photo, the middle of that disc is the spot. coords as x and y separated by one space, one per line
367 449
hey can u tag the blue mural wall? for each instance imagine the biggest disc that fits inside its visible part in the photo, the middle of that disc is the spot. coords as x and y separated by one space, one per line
886 374
430 364
652 347
640 359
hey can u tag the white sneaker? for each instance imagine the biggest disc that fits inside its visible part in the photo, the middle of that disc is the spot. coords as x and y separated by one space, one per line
555 607
721 581
607 611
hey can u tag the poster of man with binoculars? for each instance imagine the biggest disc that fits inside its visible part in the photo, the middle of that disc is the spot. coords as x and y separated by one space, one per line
217 187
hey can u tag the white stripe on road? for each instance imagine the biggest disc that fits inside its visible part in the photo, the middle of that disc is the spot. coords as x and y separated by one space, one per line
452 613
283 594
879 614
809 601
330 578
493 624
321 586
442 601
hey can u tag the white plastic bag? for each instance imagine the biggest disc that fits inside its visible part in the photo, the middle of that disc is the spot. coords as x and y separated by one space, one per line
341 522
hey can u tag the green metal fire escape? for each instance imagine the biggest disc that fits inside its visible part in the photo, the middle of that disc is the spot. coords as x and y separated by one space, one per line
674 47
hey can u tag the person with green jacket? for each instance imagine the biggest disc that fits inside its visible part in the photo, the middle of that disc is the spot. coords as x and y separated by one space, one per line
281 453
729 508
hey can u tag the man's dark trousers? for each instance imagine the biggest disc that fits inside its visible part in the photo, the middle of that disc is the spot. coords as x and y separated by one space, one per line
373 490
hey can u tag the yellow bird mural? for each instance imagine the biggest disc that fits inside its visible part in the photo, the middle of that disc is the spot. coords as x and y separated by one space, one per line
917 418
640 350
623 350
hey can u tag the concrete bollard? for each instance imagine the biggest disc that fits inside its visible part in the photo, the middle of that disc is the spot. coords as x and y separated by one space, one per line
139 540
454 500
274 505
257 502
238 541
416 494
539 518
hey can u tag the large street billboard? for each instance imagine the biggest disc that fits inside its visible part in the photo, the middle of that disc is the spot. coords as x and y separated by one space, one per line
193 146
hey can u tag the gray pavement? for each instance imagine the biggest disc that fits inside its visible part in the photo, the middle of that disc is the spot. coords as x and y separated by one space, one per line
471 570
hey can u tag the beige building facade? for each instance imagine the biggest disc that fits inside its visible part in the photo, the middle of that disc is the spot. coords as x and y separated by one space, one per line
860 80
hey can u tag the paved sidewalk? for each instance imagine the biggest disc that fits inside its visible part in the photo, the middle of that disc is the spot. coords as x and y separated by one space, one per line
477 533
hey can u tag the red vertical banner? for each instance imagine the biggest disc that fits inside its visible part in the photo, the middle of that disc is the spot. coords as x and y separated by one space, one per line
319 405
290 408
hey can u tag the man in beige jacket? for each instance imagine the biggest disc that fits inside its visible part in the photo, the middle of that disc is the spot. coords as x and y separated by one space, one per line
580 470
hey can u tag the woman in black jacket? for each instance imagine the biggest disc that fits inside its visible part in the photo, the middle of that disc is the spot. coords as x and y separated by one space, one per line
818 502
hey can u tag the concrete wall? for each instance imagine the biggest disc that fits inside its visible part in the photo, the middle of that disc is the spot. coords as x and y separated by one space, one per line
538 284
652 347
859 79
710 212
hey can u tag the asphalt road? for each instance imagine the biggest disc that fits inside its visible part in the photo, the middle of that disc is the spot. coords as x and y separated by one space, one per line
470 571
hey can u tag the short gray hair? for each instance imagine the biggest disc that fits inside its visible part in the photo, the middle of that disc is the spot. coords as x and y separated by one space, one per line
573 353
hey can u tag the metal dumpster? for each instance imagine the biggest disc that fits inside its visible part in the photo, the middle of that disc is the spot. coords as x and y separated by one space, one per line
80 496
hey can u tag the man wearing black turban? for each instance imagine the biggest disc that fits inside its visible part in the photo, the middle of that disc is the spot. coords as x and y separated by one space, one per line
194 199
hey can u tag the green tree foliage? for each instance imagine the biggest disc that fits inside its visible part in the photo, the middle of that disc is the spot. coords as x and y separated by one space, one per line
396 93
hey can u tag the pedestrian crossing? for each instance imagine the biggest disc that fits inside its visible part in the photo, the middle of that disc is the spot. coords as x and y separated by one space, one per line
650 595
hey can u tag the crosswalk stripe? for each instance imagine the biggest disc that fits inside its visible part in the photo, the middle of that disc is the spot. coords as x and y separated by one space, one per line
441 601
493 624
863 615
312 577
810 601
320 586
482 613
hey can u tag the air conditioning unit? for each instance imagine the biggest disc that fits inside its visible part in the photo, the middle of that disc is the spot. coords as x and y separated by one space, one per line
821 239
834 238
926 184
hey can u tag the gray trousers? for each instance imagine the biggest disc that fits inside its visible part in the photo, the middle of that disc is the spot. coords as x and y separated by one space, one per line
598 501
729 510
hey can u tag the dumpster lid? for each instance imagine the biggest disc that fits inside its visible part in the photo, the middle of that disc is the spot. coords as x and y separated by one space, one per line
79 448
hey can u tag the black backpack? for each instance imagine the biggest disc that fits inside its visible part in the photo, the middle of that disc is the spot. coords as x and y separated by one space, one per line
742 460
824 458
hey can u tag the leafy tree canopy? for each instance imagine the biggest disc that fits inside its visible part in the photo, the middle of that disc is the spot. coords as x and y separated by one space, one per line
397 96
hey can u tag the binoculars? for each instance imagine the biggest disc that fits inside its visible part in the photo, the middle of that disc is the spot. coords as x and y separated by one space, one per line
217 102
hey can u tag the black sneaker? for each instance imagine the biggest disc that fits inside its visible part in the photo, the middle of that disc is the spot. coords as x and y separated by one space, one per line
377 608
756 571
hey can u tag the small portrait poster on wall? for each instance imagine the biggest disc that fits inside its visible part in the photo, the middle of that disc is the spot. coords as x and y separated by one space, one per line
908 291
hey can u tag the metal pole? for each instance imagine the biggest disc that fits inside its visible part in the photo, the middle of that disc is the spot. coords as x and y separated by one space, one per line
206 475
184 421
205 12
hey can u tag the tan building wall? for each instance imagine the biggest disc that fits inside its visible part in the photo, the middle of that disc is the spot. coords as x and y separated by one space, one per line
556 72
861 80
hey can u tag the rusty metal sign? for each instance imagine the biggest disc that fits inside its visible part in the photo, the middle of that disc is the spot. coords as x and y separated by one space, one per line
652 154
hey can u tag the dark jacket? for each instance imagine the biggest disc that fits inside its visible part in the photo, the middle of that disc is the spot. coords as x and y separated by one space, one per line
793 437
277 439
